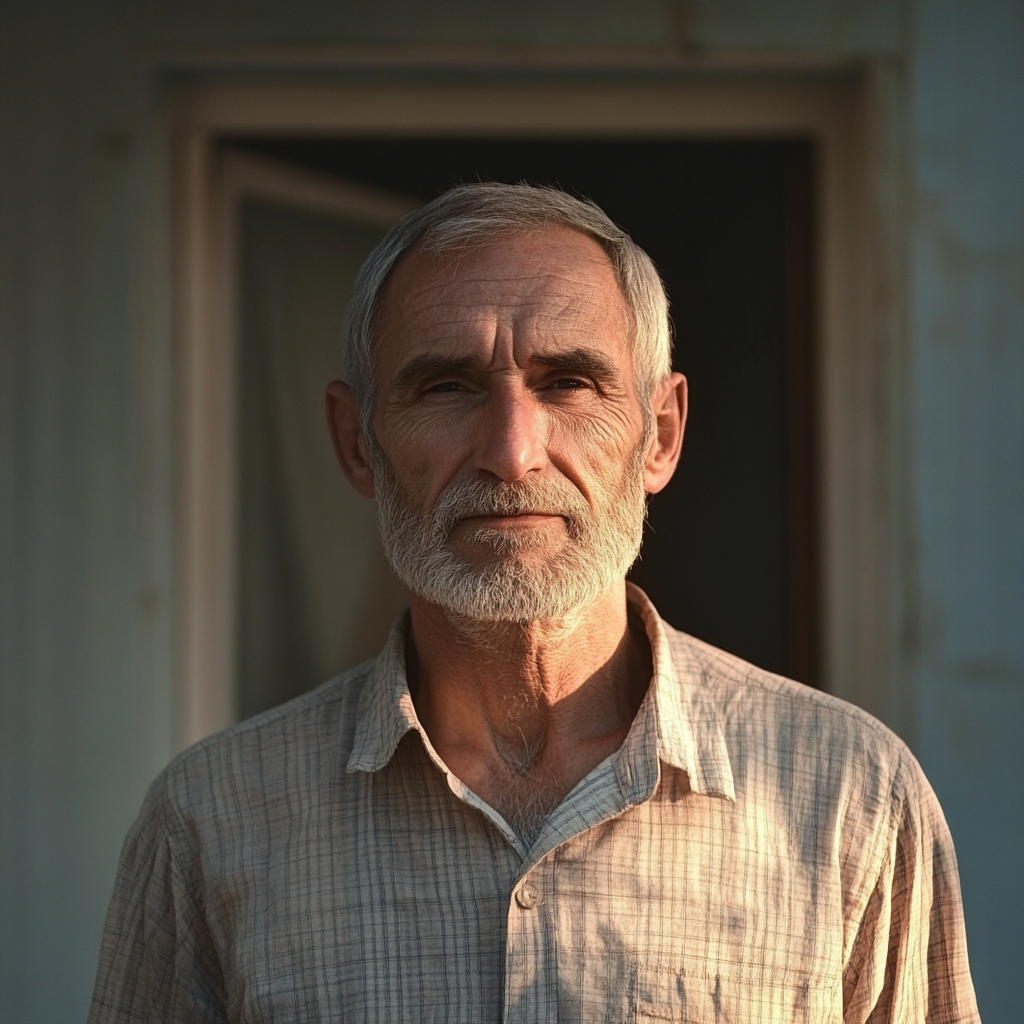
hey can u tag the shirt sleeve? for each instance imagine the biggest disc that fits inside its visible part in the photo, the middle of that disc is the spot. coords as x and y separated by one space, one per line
158 962
909 962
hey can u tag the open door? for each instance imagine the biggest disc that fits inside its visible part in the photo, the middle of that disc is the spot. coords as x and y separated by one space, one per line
731 550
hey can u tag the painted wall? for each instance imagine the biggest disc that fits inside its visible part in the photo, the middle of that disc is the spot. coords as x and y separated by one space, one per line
84 418
967 333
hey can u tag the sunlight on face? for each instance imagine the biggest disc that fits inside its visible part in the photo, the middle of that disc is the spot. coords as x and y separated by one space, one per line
509 443
602 544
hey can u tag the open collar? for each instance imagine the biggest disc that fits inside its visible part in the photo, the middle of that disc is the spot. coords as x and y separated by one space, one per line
677 724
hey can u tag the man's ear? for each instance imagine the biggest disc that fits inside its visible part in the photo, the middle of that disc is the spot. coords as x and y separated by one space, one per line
668 406
346 426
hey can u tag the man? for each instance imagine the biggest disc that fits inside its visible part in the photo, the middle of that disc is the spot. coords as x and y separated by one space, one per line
539 802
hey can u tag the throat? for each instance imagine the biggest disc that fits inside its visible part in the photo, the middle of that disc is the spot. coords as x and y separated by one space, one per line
520 758
525 798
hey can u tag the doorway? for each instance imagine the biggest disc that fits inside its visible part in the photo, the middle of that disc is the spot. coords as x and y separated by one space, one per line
825 111
730 553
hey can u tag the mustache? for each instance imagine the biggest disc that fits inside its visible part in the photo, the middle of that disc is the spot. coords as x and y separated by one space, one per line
463 499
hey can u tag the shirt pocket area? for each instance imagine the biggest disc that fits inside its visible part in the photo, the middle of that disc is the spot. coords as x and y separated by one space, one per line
695 993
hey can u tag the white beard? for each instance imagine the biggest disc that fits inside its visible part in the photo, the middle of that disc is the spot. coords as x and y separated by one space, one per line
601 544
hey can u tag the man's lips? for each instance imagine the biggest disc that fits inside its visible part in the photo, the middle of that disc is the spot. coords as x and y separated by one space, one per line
522 519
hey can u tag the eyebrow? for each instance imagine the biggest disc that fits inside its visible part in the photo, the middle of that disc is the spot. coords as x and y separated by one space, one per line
580 360
424 367
577 360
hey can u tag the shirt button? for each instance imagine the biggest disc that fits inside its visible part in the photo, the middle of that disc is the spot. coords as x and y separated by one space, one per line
529 896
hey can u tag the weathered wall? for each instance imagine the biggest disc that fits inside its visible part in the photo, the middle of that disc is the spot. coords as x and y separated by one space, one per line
83 720
967 379
84 457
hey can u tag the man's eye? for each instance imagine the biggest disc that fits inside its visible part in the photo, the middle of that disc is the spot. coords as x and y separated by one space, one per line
444 386
569 383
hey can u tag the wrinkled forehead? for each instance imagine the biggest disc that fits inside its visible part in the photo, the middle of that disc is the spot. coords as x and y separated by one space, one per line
554 284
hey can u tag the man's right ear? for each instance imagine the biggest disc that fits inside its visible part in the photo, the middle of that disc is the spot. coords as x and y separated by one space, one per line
345 423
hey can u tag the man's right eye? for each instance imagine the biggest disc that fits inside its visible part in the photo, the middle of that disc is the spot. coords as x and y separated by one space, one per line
444 386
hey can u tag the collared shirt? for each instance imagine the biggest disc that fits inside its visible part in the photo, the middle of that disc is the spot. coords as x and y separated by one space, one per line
756 851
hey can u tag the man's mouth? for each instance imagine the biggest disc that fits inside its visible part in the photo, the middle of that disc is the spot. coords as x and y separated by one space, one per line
518 520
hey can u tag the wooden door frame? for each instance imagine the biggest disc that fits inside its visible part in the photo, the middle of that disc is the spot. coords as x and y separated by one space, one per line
832 108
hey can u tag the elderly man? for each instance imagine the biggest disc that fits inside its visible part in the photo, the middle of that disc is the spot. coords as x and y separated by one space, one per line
539 802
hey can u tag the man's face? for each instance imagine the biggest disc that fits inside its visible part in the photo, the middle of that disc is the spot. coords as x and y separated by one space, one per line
509 434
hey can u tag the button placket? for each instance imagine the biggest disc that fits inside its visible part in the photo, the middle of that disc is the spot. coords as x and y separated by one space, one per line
530 992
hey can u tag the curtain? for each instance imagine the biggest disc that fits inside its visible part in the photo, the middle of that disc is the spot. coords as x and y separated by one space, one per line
315 594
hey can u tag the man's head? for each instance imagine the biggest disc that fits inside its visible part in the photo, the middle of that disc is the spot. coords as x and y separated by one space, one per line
464 218
512 401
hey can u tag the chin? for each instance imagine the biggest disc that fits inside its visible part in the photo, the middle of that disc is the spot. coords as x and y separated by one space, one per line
489 546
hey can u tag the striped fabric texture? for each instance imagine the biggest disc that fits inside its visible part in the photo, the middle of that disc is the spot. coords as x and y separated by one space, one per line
756 851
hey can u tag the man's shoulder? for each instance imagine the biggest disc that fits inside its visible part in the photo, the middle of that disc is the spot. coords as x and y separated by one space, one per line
765 714
275 756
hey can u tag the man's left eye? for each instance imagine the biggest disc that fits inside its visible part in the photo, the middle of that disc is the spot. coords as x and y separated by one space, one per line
569 383
445 386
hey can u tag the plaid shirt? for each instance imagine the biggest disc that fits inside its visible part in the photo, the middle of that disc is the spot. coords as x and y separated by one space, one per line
756 851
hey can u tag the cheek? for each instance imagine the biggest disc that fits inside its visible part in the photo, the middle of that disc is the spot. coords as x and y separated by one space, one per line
601 433
426 450
594 451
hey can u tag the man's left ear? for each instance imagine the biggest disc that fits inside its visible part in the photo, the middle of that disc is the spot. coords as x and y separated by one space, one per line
668 406
346 426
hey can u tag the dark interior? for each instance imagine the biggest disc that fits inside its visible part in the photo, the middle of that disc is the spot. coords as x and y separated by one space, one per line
729 554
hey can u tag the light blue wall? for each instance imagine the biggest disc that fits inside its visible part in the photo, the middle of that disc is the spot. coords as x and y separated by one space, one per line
83 717
84 418
967 330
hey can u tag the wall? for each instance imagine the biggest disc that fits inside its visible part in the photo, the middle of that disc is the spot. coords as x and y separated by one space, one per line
85 468
83 716
967 334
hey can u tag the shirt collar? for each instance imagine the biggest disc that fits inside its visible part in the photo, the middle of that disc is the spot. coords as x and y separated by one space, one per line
385 712
677 719
677 723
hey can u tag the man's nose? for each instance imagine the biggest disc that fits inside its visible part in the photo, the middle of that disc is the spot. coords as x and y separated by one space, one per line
511 434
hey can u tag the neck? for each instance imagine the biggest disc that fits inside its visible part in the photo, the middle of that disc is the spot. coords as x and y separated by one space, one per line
527 709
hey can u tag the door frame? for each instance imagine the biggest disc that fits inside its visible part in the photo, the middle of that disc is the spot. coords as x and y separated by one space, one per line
832 108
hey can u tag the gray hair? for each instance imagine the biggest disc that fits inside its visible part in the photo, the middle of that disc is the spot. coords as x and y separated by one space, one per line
467 217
